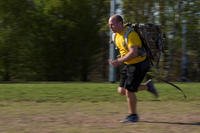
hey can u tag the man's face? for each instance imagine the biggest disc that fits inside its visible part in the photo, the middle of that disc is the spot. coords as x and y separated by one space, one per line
115 25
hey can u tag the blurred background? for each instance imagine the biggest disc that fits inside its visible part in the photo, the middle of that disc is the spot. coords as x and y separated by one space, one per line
68 40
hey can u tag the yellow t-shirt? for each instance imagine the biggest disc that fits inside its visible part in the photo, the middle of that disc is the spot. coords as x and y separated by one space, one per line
133 40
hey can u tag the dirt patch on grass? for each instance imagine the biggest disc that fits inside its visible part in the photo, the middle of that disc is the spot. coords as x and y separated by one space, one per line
100 117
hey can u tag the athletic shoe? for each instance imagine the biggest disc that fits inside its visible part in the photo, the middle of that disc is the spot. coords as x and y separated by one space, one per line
151 88
131 119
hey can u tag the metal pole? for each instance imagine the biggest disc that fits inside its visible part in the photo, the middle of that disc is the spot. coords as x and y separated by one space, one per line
112 53
184 61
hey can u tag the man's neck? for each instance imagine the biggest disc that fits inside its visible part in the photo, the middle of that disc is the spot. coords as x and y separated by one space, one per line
122 31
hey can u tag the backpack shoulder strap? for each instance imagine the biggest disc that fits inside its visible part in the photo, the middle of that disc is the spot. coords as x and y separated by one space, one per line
128 31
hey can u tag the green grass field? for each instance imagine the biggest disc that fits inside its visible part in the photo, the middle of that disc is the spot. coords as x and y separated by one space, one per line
90 92
95 108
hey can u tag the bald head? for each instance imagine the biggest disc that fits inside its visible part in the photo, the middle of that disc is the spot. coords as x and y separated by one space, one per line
116 17
116 23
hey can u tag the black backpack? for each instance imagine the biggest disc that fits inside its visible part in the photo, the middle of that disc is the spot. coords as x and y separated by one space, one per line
152 40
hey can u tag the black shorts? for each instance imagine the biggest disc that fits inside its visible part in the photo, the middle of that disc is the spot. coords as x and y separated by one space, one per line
132 75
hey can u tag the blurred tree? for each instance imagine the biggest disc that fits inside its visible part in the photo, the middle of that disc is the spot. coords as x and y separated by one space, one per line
15 16
49 39
85 18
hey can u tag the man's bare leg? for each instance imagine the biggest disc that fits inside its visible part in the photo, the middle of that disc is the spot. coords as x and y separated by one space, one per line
132 102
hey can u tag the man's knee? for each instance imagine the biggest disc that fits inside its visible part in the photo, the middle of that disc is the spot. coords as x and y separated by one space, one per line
121 91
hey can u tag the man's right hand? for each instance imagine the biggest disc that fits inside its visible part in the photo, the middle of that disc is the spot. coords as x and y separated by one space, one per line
114 63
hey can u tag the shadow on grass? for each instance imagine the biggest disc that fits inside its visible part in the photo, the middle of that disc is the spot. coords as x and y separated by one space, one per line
175 123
